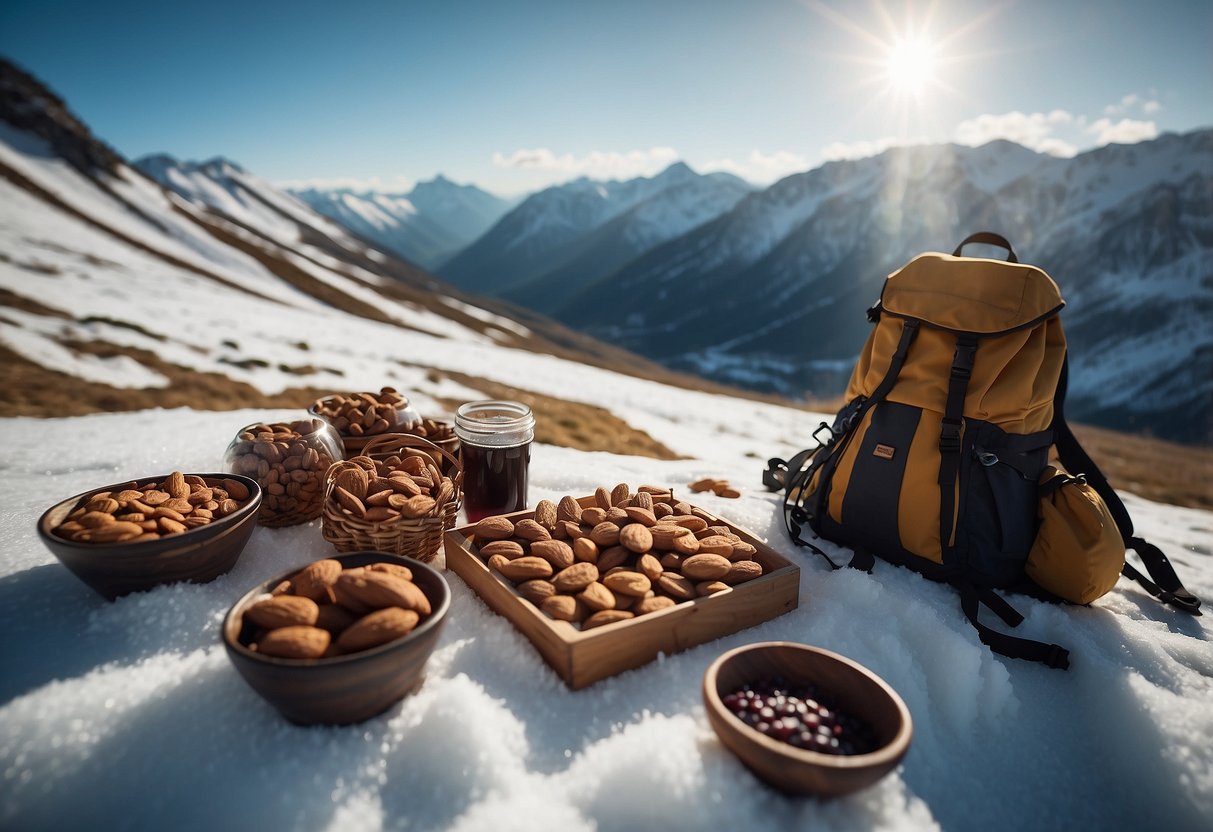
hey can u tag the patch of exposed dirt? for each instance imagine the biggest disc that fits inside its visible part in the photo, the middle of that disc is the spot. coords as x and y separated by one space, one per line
569 424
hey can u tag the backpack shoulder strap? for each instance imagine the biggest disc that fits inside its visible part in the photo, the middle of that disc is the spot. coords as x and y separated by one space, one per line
1165 585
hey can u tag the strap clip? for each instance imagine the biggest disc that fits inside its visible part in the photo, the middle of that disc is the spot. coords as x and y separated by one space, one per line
949 436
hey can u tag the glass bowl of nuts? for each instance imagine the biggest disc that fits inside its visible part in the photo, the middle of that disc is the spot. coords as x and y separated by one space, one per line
135 535
341 639
289 461
359 417
806 720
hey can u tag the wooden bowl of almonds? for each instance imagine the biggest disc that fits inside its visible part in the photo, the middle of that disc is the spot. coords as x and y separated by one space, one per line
135 535
341 639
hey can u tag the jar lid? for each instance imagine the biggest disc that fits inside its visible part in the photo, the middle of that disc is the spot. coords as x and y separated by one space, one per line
495 424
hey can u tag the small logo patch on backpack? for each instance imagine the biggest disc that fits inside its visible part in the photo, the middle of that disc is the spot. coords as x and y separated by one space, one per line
884 451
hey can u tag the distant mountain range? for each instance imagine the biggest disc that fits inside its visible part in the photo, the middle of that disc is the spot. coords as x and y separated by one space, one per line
570 235
426 226
770 292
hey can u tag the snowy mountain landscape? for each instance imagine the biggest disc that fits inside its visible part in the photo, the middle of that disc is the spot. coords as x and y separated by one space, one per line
426 226
219 300
569 235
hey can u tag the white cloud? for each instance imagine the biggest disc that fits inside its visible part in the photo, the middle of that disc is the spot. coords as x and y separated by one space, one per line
391 185
595 164
1036 131
1125 131
836 151
1151 107
761 168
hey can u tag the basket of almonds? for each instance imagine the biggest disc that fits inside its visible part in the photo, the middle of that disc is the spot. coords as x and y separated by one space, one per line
361 417
393 497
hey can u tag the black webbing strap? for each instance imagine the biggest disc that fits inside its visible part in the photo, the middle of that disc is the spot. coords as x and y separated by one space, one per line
949 436
1165 585
825 457
1050 655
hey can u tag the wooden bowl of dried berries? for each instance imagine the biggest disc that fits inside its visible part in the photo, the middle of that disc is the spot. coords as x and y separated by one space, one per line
806 720
136 535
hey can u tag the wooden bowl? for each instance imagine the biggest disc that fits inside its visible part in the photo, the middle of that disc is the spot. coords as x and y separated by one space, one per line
198 555
343 689
857 691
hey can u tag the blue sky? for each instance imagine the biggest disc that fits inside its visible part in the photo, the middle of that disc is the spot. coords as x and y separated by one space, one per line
517 95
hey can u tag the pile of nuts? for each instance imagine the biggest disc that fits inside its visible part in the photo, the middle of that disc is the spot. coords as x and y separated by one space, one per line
627 555
366 414
325 610
289 462
720 488
406 485
153 510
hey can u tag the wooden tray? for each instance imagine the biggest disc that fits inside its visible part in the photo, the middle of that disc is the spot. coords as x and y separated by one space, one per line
582 658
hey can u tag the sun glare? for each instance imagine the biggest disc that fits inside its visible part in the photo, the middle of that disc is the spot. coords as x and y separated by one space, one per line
911 65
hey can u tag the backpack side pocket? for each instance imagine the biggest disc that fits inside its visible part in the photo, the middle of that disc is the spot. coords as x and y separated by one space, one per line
1078 553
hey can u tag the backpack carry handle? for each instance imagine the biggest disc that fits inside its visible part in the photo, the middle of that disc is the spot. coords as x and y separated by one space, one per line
989 238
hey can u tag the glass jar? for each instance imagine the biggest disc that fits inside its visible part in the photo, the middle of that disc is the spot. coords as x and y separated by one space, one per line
289 461
358 417
495 441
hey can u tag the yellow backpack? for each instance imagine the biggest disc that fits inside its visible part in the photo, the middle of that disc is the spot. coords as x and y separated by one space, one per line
940 459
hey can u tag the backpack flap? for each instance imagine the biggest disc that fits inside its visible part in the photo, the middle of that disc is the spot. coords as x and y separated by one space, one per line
1078 553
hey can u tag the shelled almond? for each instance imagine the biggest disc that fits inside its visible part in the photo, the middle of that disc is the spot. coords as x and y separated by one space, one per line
629 554
326 610
153 510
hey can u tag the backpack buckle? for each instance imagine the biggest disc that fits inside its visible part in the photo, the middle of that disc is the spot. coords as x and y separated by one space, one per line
828 441
949 436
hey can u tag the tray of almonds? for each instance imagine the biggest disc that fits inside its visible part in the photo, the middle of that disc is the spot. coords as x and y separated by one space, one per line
604 583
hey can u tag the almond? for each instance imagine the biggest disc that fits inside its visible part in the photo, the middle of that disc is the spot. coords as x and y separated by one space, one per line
563 608
315 579
576 577
603 498
398 569
546 515
636 537
419 506
295 642
235 489
716 544
536 590
626 582
176 486
620 495
644 500
568 509
664 532
507 548
648 605
375 590
585 549
643 516
282 611
603 617
676 586
710 587
354 480
377 628
597 597
705 484
605 534
556 552
526 568
707 567
649 566
685 545
348 501
608 559
741 571
494 528
592 516
531 530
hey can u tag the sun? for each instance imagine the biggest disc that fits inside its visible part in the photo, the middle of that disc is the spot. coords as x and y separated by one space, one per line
911 64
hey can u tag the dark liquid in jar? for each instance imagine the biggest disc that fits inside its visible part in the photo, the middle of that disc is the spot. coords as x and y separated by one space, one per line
494 479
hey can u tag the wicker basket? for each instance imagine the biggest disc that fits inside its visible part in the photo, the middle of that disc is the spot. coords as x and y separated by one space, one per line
441 434
417 537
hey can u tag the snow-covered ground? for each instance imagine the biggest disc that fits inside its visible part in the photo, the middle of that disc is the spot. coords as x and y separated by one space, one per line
129 714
